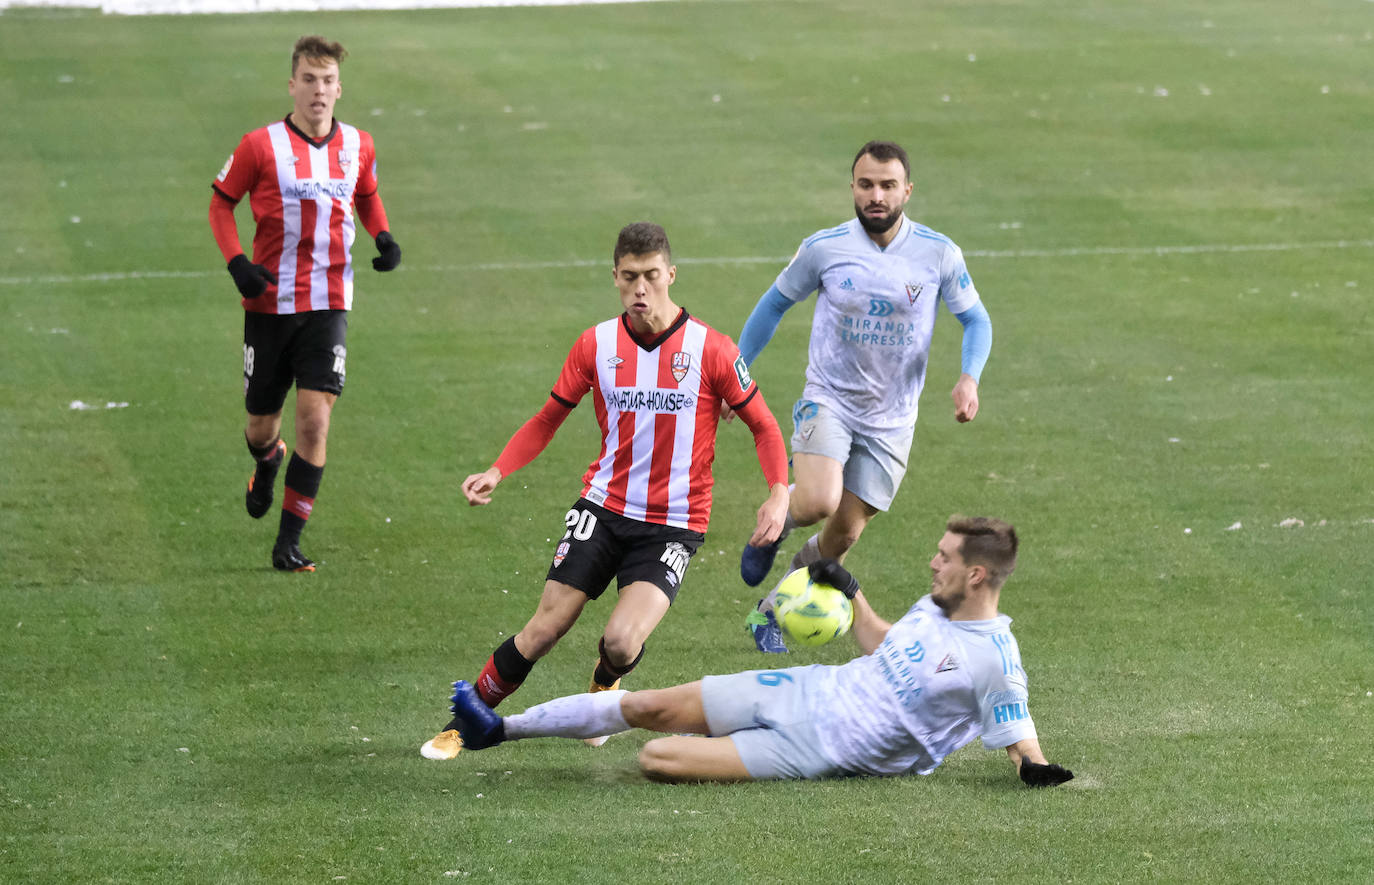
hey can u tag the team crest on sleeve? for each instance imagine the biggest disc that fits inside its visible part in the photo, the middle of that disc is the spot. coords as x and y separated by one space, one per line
913 291
224 173
682 363
742 373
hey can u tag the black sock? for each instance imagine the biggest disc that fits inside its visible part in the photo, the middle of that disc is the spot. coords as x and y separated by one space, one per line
262 453
302 485
607 673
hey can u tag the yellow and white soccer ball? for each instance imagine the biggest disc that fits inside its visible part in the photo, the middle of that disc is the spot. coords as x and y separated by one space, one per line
811 613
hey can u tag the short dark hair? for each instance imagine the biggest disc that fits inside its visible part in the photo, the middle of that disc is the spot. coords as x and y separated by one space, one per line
988 542
315 47
642 238
882 151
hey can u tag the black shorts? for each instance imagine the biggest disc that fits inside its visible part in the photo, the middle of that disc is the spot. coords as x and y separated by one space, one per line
307 349
599 545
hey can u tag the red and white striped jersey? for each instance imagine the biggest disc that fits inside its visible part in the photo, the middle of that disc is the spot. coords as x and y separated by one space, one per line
301 193
658 407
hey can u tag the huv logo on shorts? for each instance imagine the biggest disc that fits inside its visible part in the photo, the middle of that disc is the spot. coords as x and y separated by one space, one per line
340 354
561 554
675 556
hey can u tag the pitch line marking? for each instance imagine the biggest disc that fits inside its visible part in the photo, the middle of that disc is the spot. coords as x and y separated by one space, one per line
1069 252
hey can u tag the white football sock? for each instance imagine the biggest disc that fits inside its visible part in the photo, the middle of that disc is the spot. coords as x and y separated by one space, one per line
576 716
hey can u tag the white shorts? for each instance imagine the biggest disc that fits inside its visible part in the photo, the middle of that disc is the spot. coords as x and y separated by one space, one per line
873 465
764 714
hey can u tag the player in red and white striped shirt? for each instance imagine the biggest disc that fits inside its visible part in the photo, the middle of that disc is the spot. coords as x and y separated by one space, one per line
657 377
305 176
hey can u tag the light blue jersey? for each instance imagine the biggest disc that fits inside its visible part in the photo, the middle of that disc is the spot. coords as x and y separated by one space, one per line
875 314
930 687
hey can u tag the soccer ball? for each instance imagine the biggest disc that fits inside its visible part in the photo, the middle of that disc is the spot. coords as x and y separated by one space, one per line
811 613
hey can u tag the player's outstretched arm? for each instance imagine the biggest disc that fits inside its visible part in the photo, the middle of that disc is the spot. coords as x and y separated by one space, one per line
868 629
478 487
1032 766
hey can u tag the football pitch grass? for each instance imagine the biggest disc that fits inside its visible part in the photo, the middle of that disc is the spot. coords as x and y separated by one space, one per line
1165 207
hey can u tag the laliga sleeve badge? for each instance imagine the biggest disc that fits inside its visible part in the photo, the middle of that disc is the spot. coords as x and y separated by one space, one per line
742 373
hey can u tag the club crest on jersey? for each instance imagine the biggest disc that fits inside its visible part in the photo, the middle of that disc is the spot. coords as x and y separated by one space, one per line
949 663
345 158
561 554
682 362
913 291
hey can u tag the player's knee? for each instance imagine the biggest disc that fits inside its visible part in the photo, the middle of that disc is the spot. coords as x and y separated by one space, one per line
645 709
620 648
312 430
809 509
658 762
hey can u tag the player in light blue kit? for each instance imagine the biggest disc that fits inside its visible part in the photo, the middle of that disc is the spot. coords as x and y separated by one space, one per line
879 279
949 671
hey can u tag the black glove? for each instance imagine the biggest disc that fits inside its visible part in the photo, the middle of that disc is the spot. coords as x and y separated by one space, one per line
252 279
1036 775
391 253
828 571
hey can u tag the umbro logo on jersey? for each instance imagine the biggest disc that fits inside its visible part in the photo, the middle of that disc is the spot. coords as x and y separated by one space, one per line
614 361
913 291
847 285
949 663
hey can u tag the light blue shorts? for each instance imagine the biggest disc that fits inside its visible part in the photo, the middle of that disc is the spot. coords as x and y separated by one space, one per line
764 714
873 466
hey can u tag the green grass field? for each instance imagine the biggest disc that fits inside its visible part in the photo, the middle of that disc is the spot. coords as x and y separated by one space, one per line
1166 209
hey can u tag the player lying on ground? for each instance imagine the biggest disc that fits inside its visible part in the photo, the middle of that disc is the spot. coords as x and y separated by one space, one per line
949 671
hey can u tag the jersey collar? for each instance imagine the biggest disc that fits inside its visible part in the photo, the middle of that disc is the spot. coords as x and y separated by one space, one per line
903 231
313 142
682 318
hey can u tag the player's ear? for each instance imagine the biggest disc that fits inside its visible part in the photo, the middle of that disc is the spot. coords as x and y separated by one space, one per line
977 575
672 273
